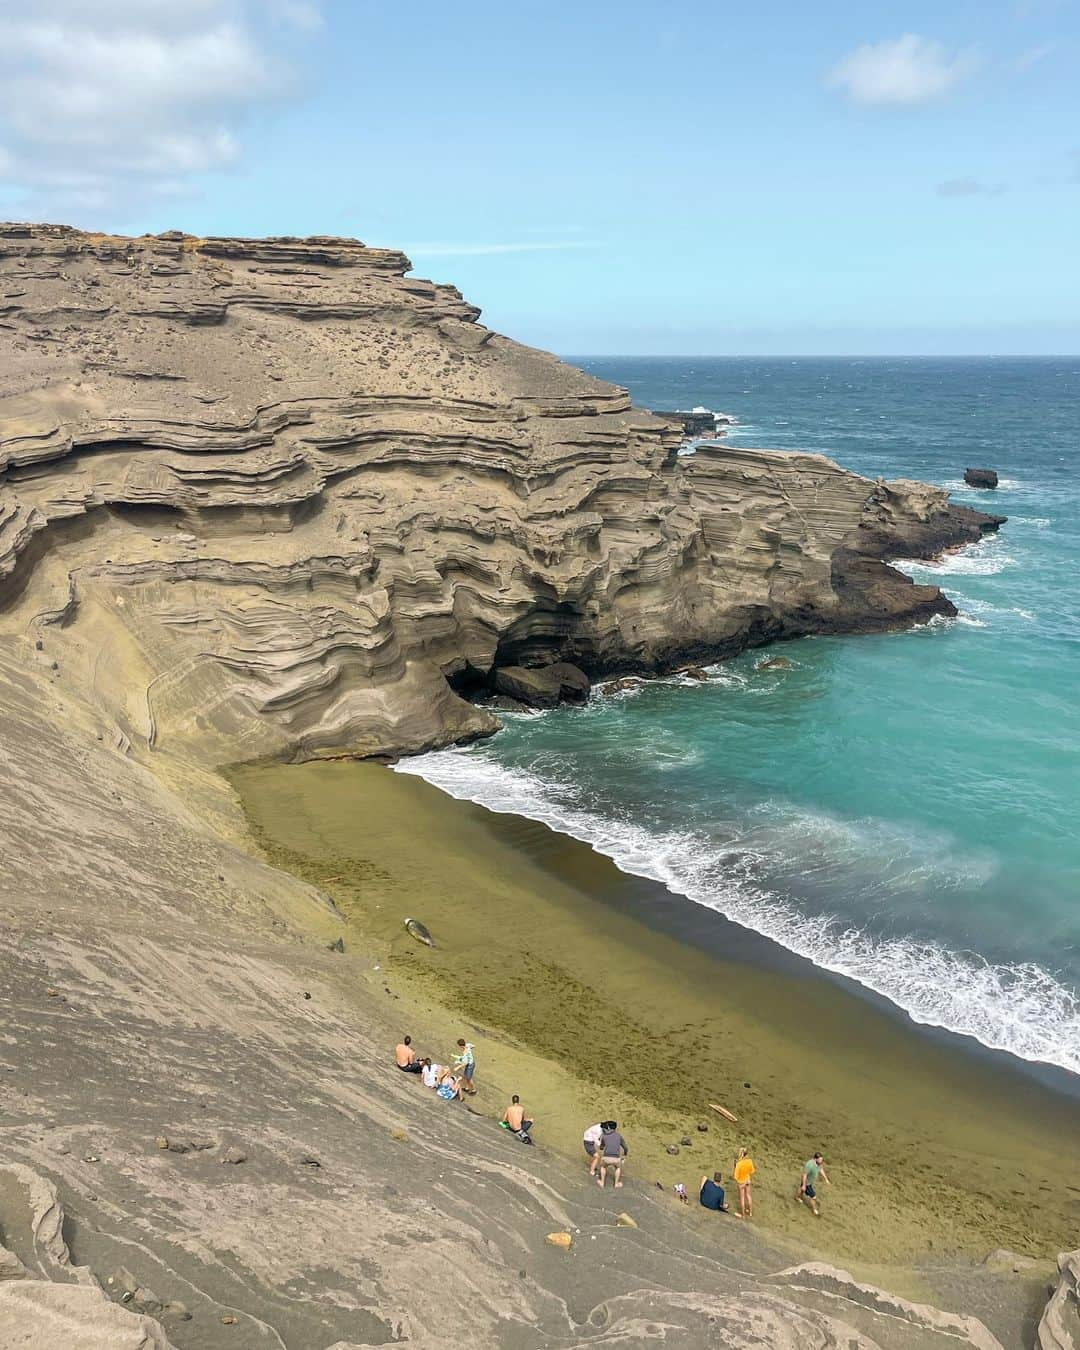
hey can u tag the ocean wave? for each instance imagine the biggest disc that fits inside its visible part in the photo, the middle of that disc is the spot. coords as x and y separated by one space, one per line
985 558
972 606
1004 485
1019 1008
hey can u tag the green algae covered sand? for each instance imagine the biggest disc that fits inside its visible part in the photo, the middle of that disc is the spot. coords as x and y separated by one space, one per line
558 967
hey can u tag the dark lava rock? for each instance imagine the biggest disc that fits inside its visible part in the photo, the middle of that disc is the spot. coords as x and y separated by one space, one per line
693 673
625 682
981 478
774 663
338 945
543 686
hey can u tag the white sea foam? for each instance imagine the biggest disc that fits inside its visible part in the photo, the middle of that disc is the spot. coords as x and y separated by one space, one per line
985 558
970 605
981 494
1019 1008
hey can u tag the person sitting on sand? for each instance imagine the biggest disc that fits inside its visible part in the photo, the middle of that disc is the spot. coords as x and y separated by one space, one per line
466 1062
406 1056
613 1152
812 1169
514 1117
743 1170
450 1089
430 1073
591 1140
711 1192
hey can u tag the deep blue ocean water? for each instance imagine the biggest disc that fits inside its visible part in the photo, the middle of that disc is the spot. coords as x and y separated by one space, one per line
901 809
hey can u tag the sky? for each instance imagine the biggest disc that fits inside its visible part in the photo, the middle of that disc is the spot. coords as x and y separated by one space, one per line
650 178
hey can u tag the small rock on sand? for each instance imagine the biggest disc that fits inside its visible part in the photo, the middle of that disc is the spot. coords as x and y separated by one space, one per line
234 1156
625 1221
563 1240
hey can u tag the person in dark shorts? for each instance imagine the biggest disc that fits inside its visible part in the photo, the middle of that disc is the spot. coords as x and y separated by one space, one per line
405 1056
466 1062
813 1171
711 1193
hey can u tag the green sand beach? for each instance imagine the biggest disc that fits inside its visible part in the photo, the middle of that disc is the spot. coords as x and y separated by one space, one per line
586 1010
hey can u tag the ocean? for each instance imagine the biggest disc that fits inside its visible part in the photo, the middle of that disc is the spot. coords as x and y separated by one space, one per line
903 810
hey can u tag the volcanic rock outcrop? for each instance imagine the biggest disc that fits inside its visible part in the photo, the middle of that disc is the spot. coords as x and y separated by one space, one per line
276 497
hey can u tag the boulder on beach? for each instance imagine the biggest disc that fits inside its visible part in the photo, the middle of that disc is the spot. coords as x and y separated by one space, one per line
981 478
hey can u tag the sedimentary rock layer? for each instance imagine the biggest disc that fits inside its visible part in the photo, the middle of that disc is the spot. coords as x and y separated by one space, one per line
277 497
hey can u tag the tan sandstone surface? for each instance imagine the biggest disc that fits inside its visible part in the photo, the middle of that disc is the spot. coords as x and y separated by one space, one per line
276 498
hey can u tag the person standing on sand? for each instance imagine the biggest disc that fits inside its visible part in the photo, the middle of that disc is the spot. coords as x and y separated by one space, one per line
613 1151
466 1062
743 1170
514 1116
813 1168
591 1140
406 1056
711 1193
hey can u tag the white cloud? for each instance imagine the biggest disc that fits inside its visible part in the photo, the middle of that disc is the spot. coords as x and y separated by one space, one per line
969 187
120 101
298 13
903 70
1034 55
481 250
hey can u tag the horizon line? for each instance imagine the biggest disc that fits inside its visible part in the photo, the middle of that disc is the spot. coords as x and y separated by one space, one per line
820 356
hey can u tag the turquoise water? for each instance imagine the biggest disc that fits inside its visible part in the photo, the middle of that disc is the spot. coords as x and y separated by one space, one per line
901 809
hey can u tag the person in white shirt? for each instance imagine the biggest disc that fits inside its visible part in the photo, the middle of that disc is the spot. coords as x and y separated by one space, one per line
430 1073
591 1140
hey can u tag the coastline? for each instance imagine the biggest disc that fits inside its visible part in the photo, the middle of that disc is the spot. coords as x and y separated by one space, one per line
586 997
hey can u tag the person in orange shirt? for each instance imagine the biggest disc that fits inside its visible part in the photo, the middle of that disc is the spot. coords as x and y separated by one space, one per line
744 1169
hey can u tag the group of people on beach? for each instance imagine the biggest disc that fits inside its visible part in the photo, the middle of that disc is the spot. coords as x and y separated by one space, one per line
605 1147
711 1189
452 1082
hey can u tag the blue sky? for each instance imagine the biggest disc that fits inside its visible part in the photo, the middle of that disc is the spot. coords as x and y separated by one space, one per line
651 178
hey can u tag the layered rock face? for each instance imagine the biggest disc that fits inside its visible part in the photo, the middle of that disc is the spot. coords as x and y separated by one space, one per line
276 497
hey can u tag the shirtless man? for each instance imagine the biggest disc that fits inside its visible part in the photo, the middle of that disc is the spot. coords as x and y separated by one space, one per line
514 1116
406 1056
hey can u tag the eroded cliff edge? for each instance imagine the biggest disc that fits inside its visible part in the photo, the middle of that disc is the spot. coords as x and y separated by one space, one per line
275 497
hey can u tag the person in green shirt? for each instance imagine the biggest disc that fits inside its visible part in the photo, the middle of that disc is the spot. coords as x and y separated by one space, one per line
813 1170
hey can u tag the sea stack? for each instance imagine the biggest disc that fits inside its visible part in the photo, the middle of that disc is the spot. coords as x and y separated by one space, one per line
981 478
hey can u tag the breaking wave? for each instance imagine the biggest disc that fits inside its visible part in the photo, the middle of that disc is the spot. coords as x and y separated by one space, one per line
986 558
1019 1008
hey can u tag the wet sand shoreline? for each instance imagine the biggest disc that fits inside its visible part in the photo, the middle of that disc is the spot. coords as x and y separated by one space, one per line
596 993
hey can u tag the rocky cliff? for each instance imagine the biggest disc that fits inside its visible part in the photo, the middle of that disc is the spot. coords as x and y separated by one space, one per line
277 497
